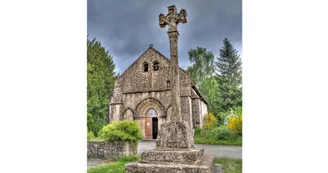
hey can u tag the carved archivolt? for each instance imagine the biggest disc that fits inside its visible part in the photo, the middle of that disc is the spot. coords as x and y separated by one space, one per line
142 108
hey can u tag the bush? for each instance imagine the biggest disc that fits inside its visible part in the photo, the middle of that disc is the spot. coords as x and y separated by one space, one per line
121 131
209 133
236 111
218 135
225 134
90 135
209 121
197 130
235 124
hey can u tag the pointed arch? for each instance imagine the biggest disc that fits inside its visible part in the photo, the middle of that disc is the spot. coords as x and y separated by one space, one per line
143 106
128 114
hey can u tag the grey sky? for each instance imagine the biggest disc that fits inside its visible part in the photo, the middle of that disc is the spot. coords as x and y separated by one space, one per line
127 27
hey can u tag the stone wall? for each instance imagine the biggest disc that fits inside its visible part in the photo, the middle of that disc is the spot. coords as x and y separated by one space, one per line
134 79
111 150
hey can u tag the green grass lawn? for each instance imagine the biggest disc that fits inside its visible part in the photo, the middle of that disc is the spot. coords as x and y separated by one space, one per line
228 165
115 167
203 140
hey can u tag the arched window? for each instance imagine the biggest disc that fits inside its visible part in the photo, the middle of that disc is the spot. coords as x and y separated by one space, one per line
145 67
156 66
168 84
151 113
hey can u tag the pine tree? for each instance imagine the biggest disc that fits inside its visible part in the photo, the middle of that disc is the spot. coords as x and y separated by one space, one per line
229 78
229 63
100 83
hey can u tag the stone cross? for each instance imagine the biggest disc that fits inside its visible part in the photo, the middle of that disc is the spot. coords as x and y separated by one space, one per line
172 19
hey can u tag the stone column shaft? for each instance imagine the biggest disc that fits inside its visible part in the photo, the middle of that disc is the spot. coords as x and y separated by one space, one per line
174 67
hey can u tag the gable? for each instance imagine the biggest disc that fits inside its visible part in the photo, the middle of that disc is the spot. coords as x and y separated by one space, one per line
150 54
134 79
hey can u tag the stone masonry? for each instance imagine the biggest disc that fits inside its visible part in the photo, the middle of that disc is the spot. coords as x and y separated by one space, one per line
111 150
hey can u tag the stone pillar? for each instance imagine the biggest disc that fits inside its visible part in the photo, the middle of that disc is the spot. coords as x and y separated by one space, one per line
174 67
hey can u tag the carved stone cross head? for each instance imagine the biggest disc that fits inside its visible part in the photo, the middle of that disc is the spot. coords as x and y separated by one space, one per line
173 18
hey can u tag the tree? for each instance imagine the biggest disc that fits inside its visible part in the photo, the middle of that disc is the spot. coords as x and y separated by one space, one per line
100 83
229 64
210 90
202 65
230 95
229 77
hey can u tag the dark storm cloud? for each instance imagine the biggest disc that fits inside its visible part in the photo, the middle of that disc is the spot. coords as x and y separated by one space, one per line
127 27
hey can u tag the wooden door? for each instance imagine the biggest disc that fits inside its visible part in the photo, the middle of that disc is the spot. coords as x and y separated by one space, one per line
148 128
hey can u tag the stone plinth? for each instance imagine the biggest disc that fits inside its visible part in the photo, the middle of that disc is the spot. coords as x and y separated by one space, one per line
174 153
174 156
175 135
205 165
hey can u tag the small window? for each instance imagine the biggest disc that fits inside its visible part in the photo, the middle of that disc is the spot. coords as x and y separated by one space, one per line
145 66
168 83
155 65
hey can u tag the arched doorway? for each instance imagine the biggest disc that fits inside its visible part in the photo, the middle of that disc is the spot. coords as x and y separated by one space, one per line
151 127
150 115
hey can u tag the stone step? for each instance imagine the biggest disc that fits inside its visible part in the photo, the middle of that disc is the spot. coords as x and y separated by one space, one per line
205 165
176 156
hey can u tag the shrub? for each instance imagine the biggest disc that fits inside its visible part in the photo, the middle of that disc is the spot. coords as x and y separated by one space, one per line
225 134
209 121
236 111
121 131
210 134
90 135
218 135
197 130
235 124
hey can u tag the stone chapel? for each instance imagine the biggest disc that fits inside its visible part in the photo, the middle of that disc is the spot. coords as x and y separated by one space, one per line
142 93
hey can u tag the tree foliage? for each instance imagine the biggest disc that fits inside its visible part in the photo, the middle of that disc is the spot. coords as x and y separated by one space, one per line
230 95
202 65
235 111
220 81
209 121
100 83
229 64
235 124
210 90
229 78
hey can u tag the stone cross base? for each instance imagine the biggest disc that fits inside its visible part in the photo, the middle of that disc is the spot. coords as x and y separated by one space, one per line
204 165
191 156
175 135
174 153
